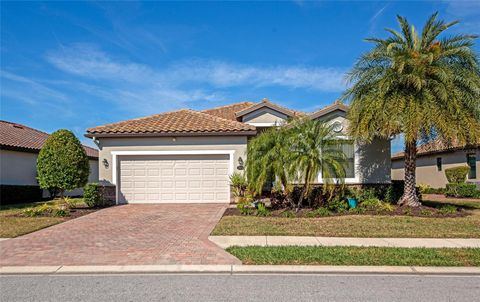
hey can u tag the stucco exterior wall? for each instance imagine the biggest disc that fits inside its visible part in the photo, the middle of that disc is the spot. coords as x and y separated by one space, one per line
264 115
106 145
20 168
372 160
427 172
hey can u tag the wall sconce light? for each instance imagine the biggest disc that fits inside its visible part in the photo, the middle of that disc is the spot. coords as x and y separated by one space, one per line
105 163
240 163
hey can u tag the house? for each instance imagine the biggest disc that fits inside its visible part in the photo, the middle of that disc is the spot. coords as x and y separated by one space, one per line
19 148
434 157
187 156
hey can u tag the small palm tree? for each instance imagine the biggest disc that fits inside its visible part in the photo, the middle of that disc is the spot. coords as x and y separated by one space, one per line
420 85
268 159
314 149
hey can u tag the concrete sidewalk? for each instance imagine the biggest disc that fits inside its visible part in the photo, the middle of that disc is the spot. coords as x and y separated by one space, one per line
238 269
227 241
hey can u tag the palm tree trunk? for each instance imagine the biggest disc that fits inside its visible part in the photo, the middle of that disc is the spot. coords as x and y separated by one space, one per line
409 197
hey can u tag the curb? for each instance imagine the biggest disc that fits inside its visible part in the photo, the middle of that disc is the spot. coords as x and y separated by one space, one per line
238 269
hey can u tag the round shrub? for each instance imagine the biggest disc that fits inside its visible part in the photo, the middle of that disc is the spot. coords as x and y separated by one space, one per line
92 196
457 174
62 163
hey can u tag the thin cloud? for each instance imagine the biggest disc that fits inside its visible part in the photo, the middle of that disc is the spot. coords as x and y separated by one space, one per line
89 62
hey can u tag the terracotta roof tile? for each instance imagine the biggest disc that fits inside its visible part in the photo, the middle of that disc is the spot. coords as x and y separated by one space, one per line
435 146
228 111
271 105
20 137
184 121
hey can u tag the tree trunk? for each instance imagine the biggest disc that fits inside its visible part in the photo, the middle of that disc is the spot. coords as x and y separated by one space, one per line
409 197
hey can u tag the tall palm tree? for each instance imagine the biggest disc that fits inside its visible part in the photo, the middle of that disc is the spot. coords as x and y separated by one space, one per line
313 149
420 85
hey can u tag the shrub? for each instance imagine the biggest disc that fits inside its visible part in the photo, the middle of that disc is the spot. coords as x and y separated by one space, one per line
434 191
287 214
262 210
357 210
239 184
461 190
425 212
423 188
448 209
62 163
70 202
92 195
457 174
245 208
44 209
375 204
13 194
61 212
395 191
319 212
338 205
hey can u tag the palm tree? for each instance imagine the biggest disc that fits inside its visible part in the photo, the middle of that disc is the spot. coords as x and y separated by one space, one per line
314 149
422 86
267 159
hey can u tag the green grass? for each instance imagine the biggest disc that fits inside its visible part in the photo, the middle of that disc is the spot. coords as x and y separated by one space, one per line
294 255
357 225
13 226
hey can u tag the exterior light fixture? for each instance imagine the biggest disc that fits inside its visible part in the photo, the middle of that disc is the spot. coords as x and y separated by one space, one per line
105 163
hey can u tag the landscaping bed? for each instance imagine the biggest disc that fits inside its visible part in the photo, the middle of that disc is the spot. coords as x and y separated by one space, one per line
21 219
294 255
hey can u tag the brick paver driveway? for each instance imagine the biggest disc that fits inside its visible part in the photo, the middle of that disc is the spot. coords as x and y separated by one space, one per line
124 235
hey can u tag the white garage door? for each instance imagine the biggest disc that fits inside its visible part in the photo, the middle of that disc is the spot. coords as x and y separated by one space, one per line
174 178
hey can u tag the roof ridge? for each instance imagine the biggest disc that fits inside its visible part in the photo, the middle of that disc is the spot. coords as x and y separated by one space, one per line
229 105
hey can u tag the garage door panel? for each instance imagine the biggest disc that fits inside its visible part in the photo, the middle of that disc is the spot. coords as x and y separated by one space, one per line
174 178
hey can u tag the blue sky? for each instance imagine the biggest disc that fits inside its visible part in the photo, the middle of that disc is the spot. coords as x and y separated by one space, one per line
79 65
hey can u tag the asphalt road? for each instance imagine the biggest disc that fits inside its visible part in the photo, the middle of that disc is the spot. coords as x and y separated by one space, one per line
137 287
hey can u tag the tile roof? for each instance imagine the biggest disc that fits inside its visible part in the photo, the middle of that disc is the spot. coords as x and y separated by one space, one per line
267 103
228 111
436 146
337 105
181 122
22 138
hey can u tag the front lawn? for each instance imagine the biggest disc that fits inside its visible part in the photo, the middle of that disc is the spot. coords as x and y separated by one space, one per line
294 255
359 225
13 224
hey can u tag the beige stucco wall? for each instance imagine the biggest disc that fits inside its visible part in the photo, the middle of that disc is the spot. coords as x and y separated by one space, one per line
264 115
20 168
106 145
427 173
372 159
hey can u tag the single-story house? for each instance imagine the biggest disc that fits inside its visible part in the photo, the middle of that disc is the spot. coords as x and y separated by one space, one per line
19 148
432 160
186 156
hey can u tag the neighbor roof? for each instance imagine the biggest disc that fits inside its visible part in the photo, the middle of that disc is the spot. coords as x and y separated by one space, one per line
19 137
330 108
436 146
181 122
268 104
229 111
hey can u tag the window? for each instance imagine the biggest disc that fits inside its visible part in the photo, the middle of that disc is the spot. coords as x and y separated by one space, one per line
472 162
439 164
348 148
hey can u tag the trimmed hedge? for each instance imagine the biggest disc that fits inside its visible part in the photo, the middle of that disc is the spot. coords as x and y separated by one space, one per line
457 174
95 195
462 190
13 194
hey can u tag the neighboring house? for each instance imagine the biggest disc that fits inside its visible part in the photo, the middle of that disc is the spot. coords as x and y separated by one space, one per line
19 148
432 160
187 156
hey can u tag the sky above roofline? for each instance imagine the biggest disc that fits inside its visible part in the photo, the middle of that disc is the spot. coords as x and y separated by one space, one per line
82 64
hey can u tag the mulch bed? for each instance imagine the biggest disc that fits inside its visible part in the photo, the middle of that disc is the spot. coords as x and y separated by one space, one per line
422 211
74 213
